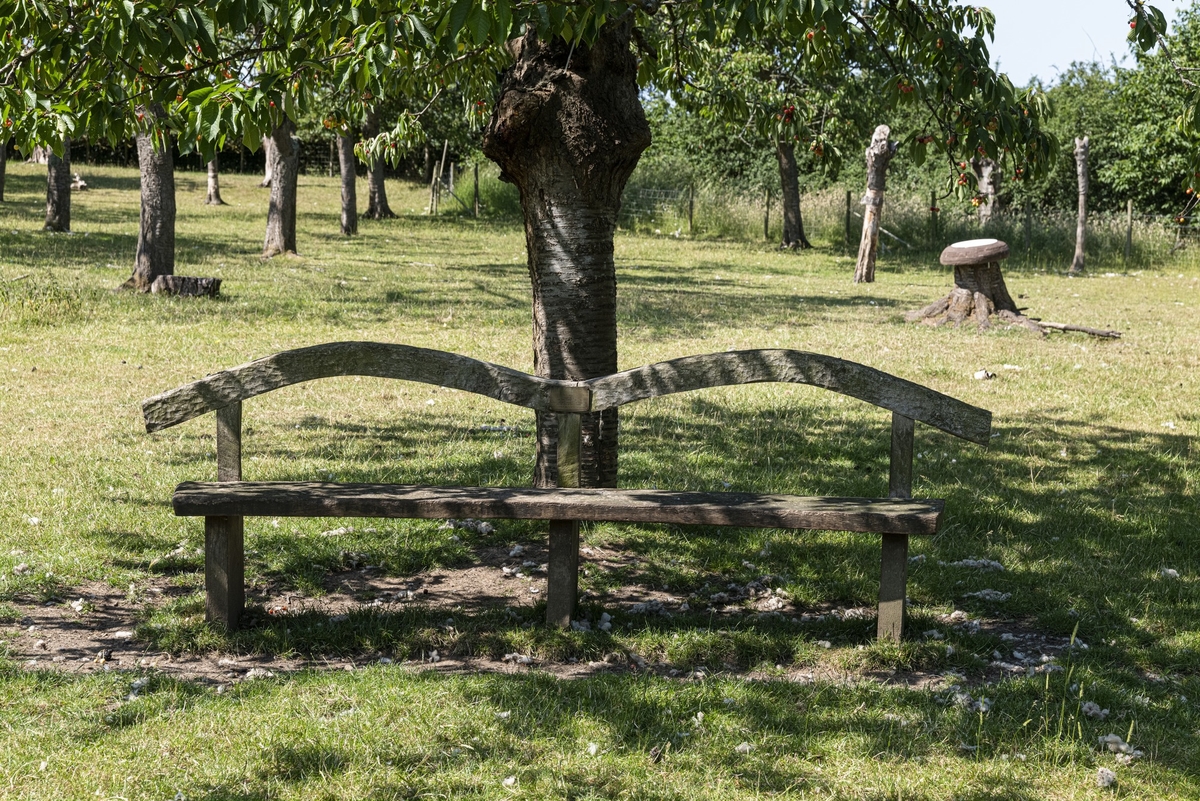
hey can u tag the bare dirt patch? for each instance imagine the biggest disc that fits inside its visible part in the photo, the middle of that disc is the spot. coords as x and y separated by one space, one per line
93 629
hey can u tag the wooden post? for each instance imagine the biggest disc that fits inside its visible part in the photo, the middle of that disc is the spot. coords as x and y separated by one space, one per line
933 216
476 189
452 177
1081 169
332 154
1028 226
893 578
878 155
849 229
1128 230
691 207
562 584
224 549
767 216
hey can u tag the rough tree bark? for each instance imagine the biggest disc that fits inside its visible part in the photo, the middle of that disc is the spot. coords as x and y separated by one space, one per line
156 233
213 198
987 175
879 154
349 181
284 166
569 133
377 202
58 189
1081 170
789 179
268 162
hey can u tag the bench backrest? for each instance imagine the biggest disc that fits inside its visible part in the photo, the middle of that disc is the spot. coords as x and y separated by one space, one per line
229 387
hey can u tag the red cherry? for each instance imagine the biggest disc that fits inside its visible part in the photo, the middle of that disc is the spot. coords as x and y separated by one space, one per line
1133 23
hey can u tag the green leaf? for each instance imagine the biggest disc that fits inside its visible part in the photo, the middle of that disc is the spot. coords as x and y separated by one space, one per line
458 15
478 24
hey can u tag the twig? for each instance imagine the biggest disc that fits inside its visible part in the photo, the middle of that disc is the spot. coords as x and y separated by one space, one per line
1096 332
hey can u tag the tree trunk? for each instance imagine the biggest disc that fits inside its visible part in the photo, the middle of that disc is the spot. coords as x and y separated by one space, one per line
1081 169
569 133
40 155
987 174
3 166
284 167
878 155
156 234
349 181
789 179
377 202
214 184
58 189
430 160
268 162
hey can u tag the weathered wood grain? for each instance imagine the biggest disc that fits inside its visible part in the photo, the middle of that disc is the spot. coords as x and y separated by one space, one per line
321 499
562 580
893 560
229 443
224 570
796 367
375 359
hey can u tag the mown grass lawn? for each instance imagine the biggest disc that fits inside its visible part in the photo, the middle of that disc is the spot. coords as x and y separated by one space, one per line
1086 496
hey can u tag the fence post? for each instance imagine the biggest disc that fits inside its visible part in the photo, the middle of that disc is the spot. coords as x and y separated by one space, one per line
1028 226
1128 229
933 217
691 206
848 232
477 189
767 216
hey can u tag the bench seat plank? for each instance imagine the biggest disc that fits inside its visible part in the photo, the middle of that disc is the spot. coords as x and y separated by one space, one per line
752 510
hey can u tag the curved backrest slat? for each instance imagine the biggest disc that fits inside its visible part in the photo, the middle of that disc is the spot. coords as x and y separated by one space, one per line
382 360
795 367
376 359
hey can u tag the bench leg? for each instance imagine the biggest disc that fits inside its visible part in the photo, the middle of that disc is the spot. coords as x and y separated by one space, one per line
563 581
893 586
224 570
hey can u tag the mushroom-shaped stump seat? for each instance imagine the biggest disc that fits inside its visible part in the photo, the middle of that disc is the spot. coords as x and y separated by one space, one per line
979 290
974 251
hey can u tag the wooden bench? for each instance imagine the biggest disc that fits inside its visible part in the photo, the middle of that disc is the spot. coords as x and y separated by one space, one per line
223 504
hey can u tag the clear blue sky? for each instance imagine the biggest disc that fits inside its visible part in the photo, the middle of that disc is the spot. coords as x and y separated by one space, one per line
1040 38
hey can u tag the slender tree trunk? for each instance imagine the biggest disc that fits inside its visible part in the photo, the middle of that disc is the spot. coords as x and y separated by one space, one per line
214 184
377 202
349 184
268 162
58 189
987 174
3 166
281 212
878 155
569 132
1081 169
789 179
156 234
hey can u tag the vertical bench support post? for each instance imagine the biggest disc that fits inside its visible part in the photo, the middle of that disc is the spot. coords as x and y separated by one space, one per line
893 578
563 580
224 549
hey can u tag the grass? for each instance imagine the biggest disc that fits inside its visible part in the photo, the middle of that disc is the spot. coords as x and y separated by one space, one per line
1084 496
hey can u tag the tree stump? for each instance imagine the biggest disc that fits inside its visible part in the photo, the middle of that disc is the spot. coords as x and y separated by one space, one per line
979 292
979 289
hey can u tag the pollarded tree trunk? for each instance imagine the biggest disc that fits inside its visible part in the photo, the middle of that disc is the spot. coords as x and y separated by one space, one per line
987 175
1081 169
268 162
349 184
878 155
569 135
58 189
281 211
156 233
213 198
377 202
789 179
